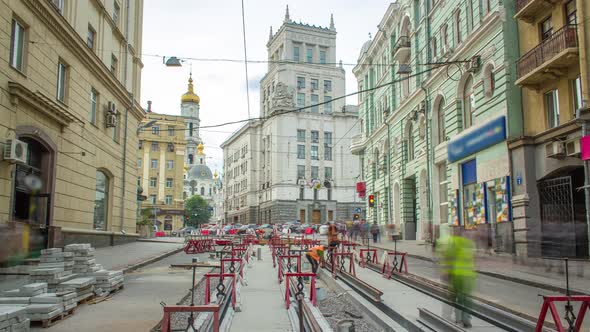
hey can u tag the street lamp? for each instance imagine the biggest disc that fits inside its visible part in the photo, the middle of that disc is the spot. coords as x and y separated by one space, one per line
172 61
146 125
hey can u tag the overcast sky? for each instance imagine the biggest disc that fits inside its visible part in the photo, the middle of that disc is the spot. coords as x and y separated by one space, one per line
212 29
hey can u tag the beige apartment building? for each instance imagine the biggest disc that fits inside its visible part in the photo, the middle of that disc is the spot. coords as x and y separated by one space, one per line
160 165
69 112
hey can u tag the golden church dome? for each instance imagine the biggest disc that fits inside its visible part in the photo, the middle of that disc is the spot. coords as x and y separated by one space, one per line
215 174
190 96
200 149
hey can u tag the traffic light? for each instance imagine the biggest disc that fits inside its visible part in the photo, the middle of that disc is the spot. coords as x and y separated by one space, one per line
356 216
371 200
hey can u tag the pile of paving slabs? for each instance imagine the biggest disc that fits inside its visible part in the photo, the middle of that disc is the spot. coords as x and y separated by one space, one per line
54 268
84 262
14 319
108 281
84 287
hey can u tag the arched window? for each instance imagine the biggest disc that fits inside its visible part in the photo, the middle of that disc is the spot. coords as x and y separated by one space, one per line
468 103
190 159
442 134
410 141
101 201
202 191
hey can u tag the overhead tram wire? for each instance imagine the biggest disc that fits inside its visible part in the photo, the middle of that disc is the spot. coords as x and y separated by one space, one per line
246 59
324 102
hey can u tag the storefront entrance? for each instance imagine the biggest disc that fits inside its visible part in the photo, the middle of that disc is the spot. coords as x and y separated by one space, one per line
563 214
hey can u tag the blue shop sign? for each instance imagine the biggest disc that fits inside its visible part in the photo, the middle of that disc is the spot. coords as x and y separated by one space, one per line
490 133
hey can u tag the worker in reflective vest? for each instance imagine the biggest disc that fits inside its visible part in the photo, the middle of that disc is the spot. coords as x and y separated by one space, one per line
458 266
315 255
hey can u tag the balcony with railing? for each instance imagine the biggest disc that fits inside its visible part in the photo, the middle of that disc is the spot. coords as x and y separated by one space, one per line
358 143
401 49
547 60
530 10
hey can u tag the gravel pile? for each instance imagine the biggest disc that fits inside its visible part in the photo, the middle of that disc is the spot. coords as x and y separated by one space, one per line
337 308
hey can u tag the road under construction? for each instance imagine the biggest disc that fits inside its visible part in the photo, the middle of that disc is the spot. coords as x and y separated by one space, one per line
268 286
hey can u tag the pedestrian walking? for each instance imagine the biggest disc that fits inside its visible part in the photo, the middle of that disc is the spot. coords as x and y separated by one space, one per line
356 228
375 231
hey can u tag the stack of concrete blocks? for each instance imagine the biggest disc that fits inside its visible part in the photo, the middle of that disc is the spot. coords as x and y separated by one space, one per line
108 281
84 262
84 287
55 267
66 299
43 311
14 319
23 295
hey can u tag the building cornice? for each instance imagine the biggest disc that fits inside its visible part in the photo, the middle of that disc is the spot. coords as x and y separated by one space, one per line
43 104
546 136
59 26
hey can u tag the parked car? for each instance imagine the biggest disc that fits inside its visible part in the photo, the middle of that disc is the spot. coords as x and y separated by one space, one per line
266 230
184 231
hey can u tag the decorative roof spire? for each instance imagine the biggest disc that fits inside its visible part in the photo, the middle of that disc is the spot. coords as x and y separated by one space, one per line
332 22
270 34
287 18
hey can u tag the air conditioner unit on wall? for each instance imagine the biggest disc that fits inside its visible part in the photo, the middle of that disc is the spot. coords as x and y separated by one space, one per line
555 150
572 148
15 151
111 115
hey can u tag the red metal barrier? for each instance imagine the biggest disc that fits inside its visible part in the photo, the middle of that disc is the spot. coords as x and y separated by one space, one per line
549 304
198 246
169 309
339 262
312 294
278 250
396 265
348 245
239 269
372 259
288 257
208 277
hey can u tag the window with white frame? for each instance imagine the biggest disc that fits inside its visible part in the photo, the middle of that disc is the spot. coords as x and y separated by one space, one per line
300 82
552 108
443 193
315 136
327 105
93 105
153 182
155 146
90 38
300 151
168 199
468 103
116 12
59 5
323 57
155 130
314 84
139 162
300 171
62 81
314 104
577 94
314 172
442 133
327 152
300 135
154 163
328 173
17 45
327 86
314 152
296 53
300 99
169 182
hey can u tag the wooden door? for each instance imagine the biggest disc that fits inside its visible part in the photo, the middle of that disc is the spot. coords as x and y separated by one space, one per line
316 216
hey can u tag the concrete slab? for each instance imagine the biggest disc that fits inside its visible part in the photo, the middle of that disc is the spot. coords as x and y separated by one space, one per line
262 298
42 308
15 300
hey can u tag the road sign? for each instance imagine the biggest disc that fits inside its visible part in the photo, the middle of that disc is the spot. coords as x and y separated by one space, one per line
357 210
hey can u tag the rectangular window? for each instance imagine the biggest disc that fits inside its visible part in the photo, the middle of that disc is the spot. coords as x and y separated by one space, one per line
315 194
322 57
300 82
577 94
327 137
327 105
327 152
170 147
169 182
155 147
546 28
154 163
116 13
114 65
300 151
314 172
443 193
90 37
301 99
139 162
309 55
93 105
314 104
62 80
170 131
314 152
170 164
296 53
156 130
300 135
140 145
314 84
153 182
168 199
315 136
469 183
328 173
17 45
571 13
302 193
552 108
300 172
327 86
152 199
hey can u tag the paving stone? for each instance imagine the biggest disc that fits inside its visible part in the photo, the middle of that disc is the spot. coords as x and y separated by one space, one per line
15 300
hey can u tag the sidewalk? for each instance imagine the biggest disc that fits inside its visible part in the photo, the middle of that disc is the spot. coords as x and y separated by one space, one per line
534 272
124 257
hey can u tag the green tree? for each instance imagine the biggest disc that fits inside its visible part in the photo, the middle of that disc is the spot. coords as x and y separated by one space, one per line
197 210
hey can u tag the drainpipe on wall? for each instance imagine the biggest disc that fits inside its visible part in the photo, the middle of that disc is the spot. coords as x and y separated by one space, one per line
429 159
